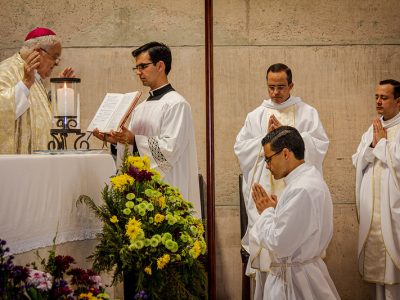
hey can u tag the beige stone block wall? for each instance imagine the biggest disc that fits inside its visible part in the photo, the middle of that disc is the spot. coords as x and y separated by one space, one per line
338 51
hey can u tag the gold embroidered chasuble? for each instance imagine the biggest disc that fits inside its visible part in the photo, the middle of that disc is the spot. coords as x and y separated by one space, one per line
31 131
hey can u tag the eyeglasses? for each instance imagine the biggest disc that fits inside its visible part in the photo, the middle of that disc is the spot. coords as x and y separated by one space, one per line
55 59
141 67
269 159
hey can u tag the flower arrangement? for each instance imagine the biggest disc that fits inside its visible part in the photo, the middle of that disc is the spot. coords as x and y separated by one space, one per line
150 238
28 283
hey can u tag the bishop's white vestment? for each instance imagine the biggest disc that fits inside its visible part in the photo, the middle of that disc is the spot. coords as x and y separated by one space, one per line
249 151
22 129
295 234
378 205
163 129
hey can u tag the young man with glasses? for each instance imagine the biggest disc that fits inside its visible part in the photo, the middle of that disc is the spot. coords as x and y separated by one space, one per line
162 127
280 109
290 237
25 108
377 163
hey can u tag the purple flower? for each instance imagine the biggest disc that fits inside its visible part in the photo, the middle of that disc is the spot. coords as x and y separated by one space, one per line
141 295
139 176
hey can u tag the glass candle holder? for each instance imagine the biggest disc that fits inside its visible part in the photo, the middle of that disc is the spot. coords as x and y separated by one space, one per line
65 102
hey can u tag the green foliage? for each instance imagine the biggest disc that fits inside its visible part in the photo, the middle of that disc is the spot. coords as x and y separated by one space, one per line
150 236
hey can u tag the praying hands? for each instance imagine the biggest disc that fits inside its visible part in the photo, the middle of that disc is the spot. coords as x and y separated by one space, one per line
262 199
273 123
379 132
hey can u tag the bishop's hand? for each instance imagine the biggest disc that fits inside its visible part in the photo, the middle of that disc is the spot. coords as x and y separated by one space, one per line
67 73
31 64
262 199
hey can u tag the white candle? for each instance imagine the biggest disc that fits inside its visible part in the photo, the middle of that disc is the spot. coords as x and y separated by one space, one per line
65 101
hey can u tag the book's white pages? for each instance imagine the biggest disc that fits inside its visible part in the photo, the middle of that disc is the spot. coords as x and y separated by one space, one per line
114 111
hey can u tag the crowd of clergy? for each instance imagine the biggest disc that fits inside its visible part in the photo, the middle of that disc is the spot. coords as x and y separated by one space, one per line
280 149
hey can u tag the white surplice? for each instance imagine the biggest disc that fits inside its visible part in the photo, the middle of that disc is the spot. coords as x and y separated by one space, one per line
378 205
296 234
164 132
248 149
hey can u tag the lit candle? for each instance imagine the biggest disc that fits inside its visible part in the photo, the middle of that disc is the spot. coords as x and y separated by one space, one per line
65 101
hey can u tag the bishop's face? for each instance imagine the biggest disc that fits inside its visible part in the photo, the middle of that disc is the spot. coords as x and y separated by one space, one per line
278 86
49 58
386 105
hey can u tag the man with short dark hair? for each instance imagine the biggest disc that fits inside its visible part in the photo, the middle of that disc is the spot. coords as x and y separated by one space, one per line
293 230
24 106
162 126
281 109
377 163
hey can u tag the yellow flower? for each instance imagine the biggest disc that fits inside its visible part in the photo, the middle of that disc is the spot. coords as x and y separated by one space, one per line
88 296
160 201
162 261
139 162
200 228
121 182
148 270
158 218
114 219
196 249
146 162
133 228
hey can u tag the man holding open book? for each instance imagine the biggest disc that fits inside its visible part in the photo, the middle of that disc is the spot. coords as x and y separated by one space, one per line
161 127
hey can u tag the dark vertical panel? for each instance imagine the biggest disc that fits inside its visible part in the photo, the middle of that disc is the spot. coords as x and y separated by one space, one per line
210 148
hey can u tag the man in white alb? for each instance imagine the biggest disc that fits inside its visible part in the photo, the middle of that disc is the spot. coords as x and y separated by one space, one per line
377 163
162 126
280 109
294 228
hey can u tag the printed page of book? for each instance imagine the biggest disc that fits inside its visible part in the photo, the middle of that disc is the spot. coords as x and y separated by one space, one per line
105 112
120 112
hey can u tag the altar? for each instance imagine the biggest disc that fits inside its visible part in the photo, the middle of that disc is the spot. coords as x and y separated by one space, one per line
38 195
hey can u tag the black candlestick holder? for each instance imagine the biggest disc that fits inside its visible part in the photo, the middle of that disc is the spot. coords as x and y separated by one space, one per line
66 125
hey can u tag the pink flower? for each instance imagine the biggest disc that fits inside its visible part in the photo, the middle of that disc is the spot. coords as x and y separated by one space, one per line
40 280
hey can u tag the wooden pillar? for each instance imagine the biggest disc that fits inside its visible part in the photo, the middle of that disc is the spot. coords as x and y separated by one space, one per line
210 148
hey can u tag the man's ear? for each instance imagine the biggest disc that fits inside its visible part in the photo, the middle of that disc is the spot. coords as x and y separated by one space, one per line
286 153
161 66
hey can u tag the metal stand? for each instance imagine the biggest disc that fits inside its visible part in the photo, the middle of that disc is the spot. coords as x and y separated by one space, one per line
66 125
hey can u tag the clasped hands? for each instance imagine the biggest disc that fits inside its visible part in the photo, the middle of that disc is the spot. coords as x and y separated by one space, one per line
273 123
262 199
379 131
123 136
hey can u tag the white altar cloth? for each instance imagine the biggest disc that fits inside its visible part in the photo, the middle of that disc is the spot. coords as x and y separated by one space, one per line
38 196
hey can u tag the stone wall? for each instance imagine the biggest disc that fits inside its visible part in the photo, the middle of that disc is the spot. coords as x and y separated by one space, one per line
338 52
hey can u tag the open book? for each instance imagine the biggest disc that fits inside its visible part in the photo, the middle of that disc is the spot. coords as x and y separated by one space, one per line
114 111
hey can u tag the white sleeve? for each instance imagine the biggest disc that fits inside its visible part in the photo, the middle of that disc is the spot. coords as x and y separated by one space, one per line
283 231
315 140
248 146
21 99
166 148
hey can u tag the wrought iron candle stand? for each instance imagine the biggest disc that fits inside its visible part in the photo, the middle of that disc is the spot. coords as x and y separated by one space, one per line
66 114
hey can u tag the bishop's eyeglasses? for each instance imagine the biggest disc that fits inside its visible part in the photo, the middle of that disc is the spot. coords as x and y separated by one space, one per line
55 59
